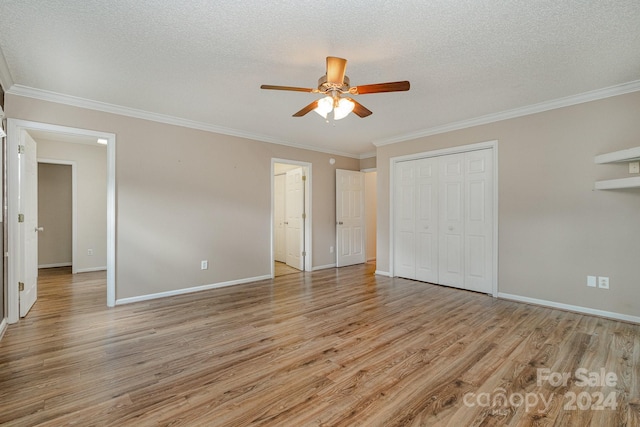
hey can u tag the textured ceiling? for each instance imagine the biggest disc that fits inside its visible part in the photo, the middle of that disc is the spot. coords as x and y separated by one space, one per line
204 61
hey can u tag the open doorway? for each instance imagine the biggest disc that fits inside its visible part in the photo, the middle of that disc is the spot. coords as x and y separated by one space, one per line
74 234
55 214
291 213
21 258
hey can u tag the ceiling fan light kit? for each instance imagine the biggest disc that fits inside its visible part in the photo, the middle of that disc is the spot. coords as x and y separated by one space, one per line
341 107
334 84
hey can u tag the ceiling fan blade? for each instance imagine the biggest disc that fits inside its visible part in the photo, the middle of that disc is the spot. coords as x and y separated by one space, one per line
382 87
360 109
296 89
336 67
306 109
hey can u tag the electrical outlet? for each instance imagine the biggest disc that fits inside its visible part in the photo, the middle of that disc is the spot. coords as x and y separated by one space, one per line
90 252
204 264
603 282
591 281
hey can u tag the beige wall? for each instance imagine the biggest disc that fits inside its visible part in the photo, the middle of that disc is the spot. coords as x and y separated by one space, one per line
185 195
54 215
554 229
368 163
91 169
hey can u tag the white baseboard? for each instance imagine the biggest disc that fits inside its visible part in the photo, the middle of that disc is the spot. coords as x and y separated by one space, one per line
55 265
383 273
323 267
190 290
3 327
89 270
568 307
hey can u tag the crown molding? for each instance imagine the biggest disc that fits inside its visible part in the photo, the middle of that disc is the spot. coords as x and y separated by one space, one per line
593 95
74 101
5 75
44 95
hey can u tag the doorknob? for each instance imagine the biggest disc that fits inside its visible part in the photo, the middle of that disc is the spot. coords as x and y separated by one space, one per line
39 229
340 223
286 223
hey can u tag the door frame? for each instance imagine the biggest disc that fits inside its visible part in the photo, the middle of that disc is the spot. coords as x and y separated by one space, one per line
74 204
15 133
308 221
493 145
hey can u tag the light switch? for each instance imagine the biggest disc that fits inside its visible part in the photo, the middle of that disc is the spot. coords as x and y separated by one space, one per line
634 167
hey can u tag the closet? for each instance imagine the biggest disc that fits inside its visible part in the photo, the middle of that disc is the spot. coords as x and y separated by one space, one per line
443 211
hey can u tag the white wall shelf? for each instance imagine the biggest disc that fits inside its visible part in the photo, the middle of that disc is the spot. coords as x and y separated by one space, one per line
628 155
614 184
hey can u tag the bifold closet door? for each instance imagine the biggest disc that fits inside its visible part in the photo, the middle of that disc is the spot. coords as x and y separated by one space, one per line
427 220
451 218
478 221
405 220
416 219
443 216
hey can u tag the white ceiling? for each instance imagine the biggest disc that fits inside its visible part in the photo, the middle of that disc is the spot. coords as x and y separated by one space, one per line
204 61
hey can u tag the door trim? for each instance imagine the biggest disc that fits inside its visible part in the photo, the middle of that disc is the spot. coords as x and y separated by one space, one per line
308 265
15 131
493 145
74 204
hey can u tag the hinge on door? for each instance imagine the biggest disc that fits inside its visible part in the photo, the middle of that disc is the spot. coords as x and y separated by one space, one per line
304 216
20 149
20 286
20 217
304 177
304 253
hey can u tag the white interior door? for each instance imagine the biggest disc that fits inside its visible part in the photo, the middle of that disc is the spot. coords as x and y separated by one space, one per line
451 229
478 244
294 207
279 235
28 229
427 220
404 218
444 221
350 217
416 219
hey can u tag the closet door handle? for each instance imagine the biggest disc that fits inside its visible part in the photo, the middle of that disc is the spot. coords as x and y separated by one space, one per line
340 223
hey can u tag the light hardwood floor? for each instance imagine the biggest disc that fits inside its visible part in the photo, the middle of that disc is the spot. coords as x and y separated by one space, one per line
282 269
338 347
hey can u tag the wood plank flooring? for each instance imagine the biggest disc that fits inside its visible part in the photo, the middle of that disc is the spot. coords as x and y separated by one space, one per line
338 347
282 269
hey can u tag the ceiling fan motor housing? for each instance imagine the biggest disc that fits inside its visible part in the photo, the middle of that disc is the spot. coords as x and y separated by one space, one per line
325 87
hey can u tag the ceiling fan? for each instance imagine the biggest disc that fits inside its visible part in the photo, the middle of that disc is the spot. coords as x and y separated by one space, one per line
334 84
